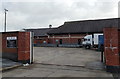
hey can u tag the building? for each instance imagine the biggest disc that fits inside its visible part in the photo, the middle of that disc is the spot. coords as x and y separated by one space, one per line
40 35
17 46
73 32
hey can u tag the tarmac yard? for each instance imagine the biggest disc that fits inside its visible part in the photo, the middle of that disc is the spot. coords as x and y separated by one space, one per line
61 62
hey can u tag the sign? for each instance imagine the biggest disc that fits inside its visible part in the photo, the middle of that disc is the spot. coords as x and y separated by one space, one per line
11 38
11 42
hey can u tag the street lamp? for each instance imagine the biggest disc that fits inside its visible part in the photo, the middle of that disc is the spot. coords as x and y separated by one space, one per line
5 19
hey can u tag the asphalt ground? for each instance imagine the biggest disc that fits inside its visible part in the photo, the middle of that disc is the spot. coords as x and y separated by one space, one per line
6 64
62 62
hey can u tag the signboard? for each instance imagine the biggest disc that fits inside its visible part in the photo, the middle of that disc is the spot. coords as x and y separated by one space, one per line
11 42
11 38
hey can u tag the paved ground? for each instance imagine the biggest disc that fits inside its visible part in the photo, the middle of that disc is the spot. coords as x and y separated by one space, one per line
39 70
62 62
66 56
7 64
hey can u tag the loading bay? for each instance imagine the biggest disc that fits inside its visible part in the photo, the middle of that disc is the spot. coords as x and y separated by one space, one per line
61 62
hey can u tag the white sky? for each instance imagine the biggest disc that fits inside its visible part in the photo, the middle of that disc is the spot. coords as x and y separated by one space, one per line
42 13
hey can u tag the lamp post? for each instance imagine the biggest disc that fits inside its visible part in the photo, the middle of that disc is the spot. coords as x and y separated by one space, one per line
5 19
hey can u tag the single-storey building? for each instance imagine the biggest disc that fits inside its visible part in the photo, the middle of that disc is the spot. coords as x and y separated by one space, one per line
40 35
17 46
72 32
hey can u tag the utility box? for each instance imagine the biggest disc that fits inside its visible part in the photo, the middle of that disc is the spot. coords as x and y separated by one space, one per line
17 46
112 49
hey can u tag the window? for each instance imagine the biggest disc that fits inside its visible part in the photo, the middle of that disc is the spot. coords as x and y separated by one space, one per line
11 42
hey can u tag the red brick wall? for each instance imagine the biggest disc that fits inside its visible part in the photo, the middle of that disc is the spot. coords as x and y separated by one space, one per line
5 49
111 44
23 45
119 45
119 39
22 51
73 39
40 40
0 44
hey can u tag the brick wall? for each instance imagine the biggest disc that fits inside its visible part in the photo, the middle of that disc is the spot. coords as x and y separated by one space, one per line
40 40
74 40
0 44
24 46
66 38
22 51
4 43
112 48
119 38
119 45
10 53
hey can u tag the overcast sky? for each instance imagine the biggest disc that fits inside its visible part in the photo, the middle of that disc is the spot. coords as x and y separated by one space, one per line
42 13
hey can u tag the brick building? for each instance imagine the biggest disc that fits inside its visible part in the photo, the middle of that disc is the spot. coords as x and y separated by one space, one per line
17 46
40 35
71 33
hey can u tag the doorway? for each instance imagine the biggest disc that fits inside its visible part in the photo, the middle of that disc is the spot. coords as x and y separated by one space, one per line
60 41
79 41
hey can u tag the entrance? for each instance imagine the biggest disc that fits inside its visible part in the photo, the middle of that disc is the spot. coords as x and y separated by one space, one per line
60 41
79 41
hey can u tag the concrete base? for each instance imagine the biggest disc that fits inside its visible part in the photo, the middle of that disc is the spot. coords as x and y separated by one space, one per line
113 69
